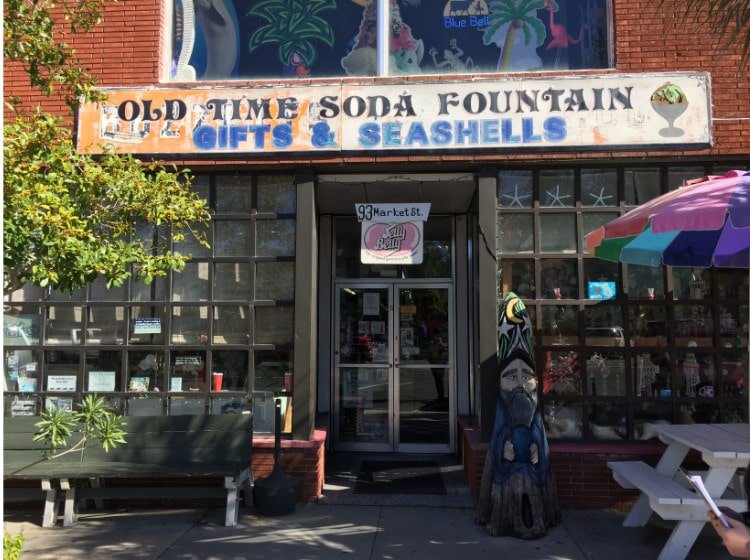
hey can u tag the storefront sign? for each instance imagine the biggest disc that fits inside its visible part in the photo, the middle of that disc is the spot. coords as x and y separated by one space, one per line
397 238
147 325
520 114
188 361
23 407
102 381
62 383
399 243
392 213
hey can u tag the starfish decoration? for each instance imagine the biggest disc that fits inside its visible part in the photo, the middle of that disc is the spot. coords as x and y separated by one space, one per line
516 199
598 361
599 200
561 340
556 199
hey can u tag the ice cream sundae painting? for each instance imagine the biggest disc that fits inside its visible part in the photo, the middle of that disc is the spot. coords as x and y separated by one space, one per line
669 102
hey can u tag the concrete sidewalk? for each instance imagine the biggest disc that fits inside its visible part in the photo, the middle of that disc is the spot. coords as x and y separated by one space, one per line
325 531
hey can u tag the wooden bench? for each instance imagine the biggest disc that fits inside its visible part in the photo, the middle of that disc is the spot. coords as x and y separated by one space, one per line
667 497
158 447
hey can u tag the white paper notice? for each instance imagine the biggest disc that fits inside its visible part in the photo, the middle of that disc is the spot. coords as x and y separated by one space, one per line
697 483
371 303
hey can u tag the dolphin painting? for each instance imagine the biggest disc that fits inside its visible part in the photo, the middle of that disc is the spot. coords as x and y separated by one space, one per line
220 33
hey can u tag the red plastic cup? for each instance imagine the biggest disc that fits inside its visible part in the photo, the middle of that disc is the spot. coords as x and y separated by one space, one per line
218 379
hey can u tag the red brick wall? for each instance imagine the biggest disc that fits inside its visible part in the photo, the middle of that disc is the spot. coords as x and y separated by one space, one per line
127 50
580 469
302 459
124 50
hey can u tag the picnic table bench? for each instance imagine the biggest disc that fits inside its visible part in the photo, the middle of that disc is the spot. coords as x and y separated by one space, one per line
725 448
158 447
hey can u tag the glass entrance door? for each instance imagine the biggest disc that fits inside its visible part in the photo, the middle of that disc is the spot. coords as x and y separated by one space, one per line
393 357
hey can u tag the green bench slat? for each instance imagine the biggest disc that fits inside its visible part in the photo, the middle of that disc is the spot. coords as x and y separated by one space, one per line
132 470
145 493
157 447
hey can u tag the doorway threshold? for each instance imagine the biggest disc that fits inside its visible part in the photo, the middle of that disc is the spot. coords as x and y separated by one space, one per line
391 479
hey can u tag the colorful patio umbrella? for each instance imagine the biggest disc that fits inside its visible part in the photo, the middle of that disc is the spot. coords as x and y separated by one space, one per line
705 223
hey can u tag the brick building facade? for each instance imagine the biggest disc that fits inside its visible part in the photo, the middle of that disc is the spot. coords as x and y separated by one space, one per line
302 325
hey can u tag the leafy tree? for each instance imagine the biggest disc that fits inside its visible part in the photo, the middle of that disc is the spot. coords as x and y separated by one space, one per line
730 18
12 546
70 217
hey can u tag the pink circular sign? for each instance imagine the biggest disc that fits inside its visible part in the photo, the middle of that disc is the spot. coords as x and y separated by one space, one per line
392 241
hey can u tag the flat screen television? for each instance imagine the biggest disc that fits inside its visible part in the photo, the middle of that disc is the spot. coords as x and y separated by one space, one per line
602 290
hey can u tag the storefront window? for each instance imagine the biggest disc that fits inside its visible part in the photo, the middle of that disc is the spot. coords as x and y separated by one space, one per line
155 291
190 325
232 280
641 184
137 343
608 421
513 233
275 238
645 282
235 39
515 189
602 279
105 326
274 280
98 291
563 419
64 325
102 371
678 176
559 325
694 325
20 326
557 188
147 325
517 275
232 238
599 187
277 193
594 220
231 325
691 283
655 343
233 367
188 372
648 325
191 284
233 194
557 233
274 325
559 279
146 372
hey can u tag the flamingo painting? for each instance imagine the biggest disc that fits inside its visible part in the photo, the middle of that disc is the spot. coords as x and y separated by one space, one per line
561 39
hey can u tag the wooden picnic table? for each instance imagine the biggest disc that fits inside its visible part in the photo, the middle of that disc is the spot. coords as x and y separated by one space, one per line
725 448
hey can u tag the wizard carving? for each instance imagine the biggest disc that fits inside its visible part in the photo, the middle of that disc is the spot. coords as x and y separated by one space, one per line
518 495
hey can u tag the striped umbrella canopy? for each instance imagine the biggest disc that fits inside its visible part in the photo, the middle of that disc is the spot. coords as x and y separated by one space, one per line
705 223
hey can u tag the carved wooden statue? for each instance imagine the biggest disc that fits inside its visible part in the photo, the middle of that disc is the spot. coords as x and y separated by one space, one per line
518 495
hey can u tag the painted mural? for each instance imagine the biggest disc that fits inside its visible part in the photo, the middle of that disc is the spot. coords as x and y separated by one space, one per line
235 39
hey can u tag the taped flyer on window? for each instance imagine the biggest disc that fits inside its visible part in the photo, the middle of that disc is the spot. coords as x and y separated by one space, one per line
697 482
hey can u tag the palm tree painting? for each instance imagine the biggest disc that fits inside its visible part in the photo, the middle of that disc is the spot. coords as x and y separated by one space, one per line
514 15
295 26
